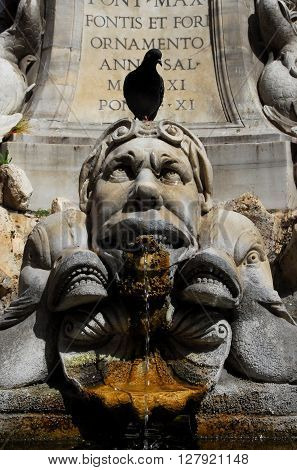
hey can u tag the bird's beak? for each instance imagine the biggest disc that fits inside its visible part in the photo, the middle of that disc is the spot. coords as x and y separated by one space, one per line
160 62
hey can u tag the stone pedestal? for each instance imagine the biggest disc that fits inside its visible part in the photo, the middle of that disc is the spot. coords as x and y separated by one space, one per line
210 71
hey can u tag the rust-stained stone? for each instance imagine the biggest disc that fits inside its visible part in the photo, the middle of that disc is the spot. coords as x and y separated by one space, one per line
130 383
146 270
34 399
110 358
237 408
244 426
37 427
35 413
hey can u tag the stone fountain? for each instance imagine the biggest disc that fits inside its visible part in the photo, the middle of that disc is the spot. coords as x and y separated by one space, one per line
150 301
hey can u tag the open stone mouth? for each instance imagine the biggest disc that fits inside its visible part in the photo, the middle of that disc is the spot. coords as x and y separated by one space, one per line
217 278
81 284
79 278
212 286
134 241
126 234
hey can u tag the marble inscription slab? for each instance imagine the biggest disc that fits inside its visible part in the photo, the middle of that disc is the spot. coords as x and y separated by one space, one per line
117 34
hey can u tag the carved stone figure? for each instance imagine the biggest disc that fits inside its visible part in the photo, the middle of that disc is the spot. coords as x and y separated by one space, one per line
19 45
149 289
278 82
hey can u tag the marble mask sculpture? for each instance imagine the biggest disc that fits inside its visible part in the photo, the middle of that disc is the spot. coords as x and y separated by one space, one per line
149 292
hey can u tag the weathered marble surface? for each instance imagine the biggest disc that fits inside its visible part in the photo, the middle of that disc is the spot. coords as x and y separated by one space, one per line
239 409
35 414
71 61
148 292
114 40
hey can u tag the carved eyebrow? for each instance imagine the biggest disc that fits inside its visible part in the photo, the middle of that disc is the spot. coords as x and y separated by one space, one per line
157 161
127 157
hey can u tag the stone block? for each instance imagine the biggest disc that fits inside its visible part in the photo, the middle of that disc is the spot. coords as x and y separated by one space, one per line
264 169
15 188
249 163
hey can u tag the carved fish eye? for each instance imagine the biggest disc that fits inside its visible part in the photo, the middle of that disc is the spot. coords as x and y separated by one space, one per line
253 257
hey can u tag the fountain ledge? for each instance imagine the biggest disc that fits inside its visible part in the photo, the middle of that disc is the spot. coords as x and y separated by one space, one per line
234 409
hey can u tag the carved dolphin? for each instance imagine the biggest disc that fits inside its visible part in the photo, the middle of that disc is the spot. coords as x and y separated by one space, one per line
264 346
278 82
231 274
276 22
18 46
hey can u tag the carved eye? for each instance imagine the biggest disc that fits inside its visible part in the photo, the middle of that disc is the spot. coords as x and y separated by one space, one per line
120 174
169 176
253 257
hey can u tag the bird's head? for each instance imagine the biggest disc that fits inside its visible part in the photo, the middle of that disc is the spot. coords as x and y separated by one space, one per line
153 57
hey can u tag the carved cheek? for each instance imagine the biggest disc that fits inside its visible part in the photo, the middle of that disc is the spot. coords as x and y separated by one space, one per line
110 197
183 202
257 274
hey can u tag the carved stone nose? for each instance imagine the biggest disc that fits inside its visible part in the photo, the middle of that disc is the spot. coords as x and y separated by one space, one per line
146 192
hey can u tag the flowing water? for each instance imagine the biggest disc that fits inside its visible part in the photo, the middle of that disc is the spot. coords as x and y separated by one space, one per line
147 349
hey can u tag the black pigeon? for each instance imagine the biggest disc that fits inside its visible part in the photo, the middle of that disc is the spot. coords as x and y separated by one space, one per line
144 88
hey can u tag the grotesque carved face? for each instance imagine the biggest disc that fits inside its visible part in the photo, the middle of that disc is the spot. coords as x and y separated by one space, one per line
146 186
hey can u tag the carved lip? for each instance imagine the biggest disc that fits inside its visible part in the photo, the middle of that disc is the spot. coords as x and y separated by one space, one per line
77 279
210 278
124 235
